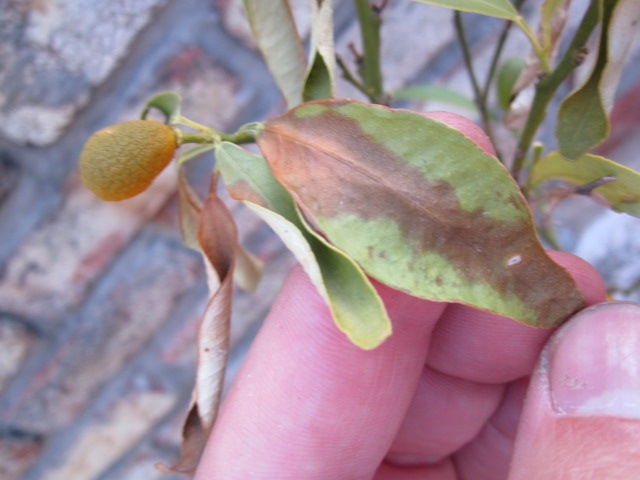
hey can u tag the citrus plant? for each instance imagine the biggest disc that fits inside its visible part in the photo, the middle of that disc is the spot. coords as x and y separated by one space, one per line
359 190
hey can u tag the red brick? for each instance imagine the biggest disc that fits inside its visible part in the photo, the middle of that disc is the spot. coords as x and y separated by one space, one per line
129 309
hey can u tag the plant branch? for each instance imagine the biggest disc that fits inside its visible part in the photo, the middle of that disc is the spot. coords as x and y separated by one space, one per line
201 138
369 69
478 94
547 86
466 53
350 77
245 134
497 53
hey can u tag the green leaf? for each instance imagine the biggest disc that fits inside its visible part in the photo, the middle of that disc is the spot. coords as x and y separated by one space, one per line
320 82
553 16
419 206
623 194
506 80
275 33
357 309
168 103
437 93
583 121
493 8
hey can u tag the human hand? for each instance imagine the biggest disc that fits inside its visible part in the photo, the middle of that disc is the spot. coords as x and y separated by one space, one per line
442 398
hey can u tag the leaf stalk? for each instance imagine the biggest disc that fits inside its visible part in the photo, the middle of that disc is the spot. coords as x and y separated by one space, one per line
245 134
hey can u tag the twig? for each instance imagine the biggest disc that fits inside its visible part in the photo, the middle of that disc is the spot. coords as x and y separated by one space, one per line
478 94
497 53
351 78
369 71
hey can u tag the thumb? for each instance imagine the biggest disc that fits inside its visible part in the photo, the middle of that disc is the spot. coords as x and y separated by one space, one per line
581 418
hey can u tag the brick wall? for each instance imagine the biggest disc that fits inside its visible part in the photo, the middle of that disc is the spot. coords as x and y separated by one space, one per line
99 302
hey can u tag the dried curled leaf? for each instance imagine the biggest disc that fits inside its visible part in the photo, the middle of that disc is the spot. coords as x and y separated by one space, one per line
248 269
419 206
217 239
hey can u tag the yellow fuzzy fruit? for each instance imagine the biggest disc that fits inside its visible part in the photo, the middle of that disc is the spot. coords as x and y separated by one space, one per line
122 160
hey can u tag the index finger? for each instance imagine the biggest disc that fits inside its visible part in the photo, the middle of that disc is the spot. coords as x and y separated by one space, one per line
309 404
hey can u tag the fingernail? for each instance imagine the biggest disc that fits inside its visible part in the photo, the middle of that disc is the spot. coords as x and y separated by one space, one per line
595 363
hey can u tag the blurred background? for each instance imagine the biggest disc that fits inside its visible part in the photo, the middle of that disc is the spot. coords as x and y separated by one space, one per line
100 302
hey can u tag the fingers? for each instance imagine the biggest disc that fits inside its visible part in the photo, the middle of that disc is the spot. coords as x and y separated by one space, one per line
307 403
461 400
582 414
444 470
483 347
445 414
488 456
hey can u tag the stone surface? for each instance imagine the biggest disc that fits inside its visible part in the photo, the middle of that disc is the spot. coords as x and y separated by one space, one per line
128 310
66 48
111 435
15 343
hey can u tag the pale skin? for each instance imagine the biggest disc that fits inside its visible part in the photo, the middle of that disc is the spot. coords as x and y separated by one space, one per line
441 399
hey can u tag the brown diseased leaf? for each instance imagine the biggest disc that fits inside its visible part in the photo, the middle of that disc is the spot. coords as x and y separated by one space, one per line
419 206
